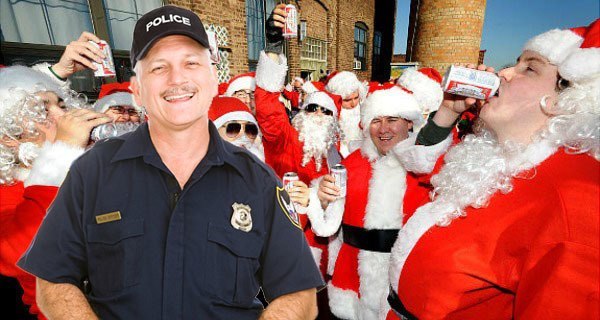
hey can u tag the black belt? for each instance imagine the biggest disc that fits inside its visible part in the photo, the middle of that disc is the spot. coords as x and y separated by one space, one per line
398 307
371 240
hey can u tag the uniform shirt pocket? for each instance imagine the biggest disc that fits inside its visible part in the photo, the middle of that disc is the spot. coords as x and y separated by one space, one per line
114 255
233 258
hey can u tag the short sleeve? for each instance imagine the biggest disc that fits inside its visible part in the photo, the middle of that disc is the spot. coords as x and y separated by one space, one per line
57 253
287 263
559 282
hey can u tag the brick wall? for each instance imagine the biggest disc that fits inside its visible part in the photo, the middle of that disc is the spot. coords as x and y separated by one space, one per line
350 12
448 31
330 20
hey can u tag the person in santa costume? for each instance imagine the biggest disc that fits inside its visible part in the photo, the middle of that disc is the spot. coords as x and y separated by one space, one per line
242 87
353 93
40 136
44 126
380 195
512 231
115 100
293 93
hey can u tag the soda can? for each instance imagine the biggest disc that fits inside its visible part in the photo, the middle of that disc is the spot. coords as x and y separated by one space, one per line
288 180
290 30
340 174
107 67
470 82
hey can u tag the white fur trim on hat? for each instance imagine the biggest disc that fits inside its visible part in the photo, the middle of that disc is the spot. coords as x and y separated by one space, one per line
582 64
555 44
270 75
241 83
51 166
393 102
115 99
235 115
24 79
308 87
344 84
322 99
427 91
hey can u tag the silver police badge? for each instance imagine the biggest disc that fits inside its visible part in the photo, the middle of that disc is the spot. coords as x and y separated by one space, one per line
241 218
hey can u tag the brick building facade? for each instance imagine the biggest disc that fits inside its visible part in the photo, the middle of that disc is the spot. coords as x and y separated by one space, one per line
330 34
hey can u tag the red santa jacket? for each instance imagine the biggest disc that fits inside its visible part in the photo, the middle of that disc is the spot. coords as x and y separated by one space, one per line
24 209
293 96
530 254
283 149
380 196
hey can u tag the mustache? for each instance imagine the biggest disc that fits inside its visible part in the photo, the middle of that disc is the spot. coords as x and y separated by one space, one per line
179 90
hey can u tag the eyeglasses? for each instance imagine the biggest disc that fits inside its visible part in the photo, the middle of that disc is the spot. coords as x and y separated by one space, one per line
244 94
313 107
232 129
123 110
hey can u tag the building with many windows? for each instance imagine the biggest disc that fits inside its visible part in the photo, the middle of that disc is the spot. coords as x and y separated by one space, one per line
333 34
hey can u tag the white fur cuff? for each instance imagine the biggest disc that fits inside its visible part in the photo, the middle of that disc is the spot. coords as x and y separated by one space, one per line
51 166
421 159
324 222
270 75
44 68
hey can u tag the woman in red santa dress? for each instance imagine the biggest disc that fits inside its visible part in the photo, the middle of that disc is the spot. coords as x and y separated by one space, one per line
39 138
512 231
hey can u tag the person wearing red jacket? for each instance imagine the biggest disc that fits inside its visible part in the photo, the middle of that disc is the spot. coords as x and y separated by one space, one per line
513 230
380 196
293 92
42 130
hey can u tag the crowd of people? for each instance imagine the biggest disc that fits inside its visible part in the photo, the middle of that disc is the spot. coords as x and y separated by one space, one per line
164 198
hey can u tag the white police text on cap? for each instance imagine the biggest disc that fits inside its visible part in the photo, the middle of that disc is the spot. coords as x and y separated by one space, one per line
172 18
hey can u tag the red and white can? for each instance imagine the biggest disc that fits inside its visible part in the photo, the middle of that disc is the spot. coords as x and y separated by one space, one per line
107 67
340 174
290 30
288 180
470 82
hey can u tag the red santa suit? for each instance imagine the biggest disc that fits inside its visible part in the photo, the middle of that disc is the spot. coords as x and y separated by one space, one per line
21 219
282 146
530 254
532 250
380 196
292 95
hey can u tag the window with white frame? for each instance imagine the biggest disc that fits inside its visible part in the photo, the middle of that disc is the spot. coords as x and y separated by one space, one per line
314 49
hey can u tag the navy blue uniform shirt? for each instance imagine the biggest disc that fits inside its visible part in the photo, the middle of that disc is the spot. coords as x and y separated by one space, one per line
122 231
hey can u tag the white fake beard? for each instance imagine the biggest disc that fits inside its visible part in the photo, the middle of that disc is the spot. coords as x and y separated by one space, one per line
253 147
349 124
318 133
28 151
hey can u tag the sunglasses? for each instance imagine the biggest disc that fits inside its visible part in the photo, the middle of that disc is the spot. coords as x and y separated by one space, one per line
313 107
233 129
123 110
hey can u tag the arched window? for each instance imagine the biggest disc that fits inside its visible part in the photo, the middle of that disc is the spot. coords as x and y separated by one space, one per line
360 46
257 12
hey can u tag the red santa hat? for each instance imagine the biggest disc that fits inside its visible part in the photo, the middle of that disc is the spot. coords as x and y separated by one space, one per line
313 86
225 109
575 51
390 102
326 100
243 81
344 84
114 94
425 84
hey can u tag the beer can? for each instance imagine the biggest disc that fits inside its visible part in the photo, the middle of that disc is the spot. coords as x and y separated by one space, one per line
470 82
290 30
107 67
288 180
339 173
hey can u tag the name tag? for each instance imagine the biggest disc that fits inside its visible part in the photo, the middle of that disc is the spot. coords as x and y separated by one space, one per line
108 217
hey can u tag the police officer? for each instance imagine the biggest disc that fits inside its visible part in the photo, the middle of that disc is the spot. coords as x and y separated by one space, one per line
170 221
